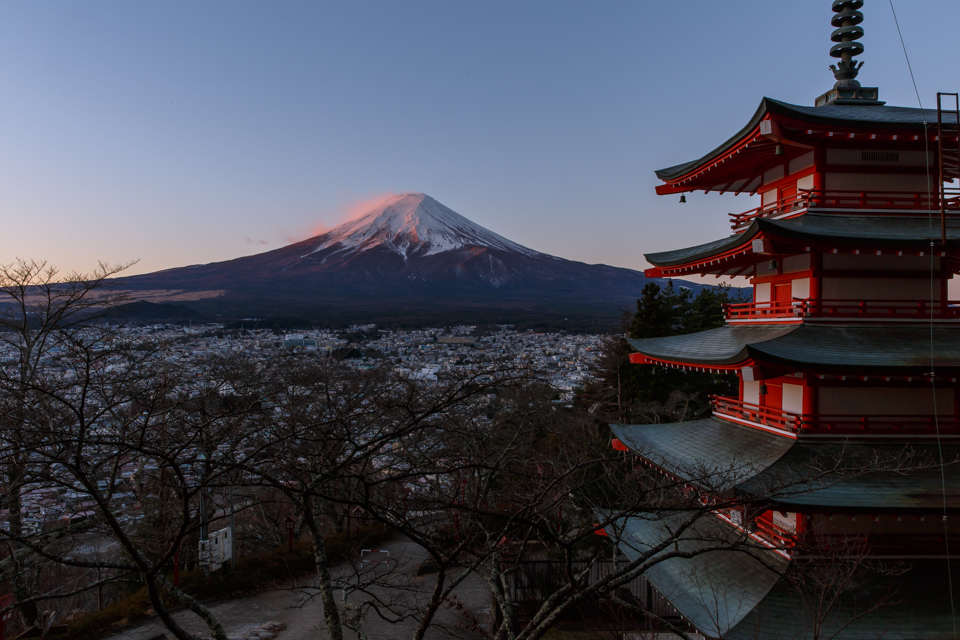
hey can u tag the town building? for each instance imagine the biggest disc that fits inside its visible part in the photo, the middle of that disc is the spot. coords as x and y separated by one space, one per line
848 359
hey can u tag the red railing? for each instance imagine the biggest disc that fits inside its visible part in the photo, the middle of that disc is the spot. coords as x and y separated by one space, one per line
743 311
834 424
898 202
781 207
855 309
775 535
755 413
769 532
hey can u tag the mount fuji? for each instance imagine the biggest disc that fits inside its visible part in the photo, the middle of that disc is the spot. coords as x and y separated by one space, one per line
409 257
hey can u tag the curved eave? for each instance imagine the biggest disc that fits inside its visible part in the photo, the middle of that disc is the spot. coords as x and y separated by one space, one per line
720 255
708 452
749 131
739 580
877 350
734 255
679 178
725 347
839 350
744 592
717 455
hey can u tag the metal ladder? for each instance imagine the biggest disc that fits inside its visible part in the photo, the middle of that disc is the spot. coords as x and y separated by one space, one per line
948 155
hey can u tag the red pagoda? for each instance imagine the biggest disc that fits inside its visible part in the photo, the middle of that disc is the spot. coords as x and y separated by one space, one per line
848 354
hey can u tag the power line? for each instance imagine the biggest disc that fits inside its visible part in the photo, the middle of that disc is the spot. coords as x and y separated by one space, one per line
933 380
909 67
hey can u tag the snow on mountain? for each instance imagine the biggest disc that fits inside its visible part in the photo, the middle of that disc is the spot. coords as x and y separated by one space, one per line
412 224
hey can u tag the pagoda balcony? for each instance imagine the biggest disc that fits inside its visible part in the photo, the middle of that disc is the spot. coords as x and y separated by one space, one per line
822 424
779 538
798 309
877 202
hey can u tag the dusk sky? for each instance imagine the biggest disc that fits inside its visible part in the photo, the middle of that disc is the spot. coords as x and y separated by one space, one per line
181 132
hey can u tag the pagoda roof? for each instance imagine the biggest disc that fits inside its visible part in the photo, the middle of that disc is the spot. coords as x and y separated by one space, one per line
739 580
754 146
801 474
850 349
833 230
747 592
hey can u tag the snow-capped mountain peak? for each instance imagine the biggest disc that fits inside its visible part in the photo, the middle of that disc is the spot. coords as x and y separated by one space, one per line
412 223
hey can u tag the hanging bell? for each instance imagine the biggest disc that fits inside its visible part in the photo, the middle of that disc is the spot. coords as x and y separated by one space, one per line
683 198
778 151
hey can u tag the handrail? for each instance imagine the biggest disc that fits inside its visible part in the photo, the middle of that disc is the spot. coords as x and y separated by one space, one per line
833 423
864 309
899 201
775 534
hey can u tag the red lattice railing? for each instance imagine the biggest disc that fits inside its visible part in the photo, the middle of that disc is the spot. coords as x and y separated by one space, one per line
857 309
897 202
834 424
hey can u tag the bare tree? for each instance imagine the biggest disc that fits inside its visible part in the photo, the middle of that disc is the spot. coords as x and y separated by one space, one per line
484 470
827 570
335 432
41 312
137 449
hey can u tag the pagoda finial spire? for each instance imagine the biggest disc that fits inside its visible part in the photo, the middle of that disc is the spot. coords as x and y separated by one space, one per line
847 30
847 19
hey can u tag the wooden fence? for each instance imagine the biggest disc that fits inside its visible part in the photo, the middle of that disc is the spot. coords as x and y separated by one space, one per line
534 580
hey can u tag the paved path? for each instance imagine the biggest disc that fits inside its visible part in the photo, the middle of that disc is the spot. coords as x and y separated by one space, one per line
303 616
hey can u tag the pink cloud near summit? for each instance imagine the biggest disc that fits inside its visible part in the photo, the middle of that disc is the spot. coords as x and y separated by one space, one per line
353 210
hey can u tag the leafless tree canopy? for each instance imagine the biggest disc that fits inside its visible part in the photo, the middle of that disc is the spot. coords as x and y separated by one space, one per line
484 471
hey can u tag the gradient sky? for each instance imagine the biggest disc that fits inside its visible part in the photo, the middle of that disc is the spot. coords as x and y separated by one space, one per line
177 133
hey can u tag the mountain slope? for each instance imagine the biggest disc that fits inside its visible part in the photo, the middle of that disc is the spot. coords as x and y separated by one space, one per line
413 224
407 252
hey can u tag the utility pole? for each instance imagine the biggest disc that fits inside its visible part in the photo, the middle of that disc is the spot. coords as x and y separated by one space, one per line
204 533
233 534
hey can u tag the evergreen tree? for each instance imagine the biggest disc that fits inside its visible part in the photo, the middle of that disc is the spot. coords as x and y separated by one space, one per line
660 311
633 392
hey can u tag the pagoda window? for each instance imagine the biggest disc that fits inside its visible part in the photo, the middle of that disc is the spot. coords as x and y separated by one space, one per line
801 288
892 158
878 182
792 398
792 264
800 163
866 289
884 401
761 292
887 262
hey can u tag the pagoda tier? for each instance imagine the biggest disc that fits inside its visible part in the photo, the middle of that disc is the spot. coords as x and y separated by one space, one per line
846 423
872 350
845 242
756 591
837 149
804 477
826 381
889 494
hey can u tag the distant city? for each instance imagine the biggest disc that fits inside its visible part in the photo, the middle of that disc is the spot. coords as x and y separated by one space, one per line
565 360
